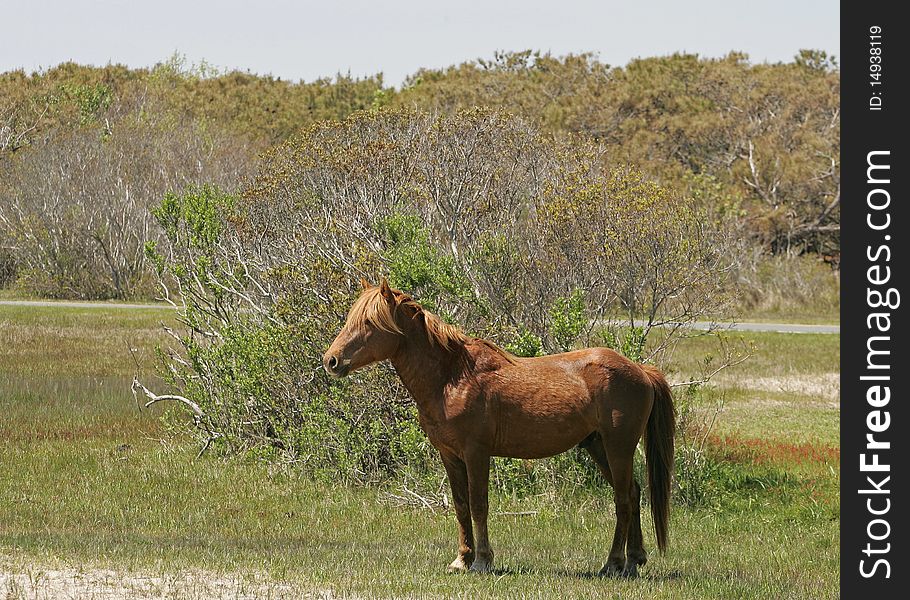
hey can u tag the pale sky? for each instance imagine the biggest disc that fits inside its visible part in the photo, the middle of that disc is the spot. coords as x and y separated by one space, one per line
306 40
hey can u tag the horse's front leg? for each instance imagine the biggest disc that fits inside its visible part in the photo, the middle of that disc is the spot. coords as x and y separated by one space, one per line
458 481
478 467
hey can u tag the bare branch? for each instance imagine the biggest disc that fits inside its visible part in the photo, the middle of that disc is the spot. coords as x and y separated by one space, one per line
137 386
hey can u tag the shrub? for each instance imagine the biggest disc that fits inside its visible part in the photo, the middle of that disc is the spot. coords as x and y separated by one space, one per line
77 208
7 267
768 133
787 284
722 131
463 211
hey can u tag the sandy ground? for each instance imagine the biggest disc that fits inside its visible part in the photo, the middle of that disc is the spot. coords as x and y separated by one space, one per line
89 584
825 386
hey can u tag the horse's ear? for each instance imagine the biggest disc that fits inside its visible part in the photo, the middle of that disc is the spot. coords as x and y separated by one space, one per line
385 290
365 284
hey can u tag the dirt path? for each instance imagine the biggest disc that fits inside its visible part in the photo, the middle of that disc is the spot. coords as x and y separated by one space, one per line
68 304
745 326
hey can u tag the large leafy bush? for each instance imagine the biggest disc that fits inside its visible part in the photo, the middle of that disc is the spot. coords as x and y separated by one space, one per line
512 233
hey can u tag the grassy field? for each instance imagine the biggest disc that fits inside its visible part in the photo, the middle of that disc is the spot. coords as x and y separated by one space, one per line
95 495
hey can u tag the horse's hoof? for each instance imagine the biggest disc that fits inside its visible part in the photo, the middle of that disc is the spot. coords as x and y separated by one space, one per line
458 566
611 570
481 566
630 572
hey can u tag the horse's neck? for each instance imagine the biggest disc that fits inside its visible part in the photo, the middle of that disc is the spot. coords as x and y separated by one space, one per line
426 369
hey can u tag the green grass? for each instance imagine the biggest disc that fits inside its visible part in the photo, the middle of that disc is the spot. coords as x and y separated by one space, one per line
65 373
78 342
787 390
772 353
153 506
90 482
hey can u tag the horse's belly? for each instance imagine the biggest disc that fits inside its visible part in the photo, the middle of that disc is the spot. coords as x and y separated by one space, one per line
535 421
531 438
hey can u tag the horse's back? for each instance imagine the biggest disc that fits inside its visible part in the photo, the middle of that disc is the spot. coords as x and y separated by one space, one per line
599 368
574 375
558 400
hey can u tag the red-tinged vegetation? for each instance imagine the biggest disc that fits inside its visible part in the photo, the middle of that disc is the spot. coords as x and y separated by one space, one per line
758 451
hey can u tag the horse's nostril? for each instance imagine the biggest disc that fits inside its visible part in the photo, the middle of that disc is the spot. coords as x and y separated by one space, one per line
332 363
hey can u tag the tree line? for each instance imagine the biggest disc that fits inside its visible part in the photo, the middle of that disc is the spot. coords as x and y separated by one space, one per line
86 152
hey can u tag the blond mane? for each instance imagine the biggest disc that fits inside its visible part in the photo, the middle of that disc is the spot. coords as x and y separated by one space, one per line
371 307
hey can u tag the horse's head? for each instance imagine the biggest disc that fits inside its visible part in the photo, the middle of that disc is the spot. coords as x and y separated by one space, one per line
370 333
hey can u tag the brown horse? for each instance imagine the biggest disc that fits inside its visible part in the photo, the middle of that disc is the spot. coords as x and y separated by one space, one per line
474 401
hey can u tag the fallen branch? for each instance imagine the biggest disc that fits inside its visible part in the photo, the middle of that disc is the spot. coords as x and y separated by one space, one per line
413 499
420 498
156 398
199 417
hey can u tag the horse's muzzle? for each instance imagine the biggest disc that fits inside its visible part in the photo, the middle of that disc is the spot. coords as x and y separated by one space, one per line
334 367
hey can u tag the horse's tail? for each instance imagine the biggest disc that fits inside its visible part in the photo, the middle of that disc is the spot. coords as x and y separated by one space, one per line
659 453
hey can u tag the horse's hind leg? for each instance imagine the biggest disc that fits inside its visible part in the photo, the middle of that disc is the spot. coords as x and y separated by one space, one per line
637 556
627 494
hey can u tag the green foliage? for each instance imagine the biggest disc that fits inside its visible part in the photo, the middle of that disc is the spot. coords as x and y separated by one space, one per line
195 217
416 264
816 60
633 344
630 342
719 202
525 344
90 100
568 318
252 373
177 66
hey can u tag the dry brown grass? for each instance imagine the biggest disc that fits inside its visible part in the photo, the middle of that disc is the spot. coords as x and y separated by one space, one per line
819 386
